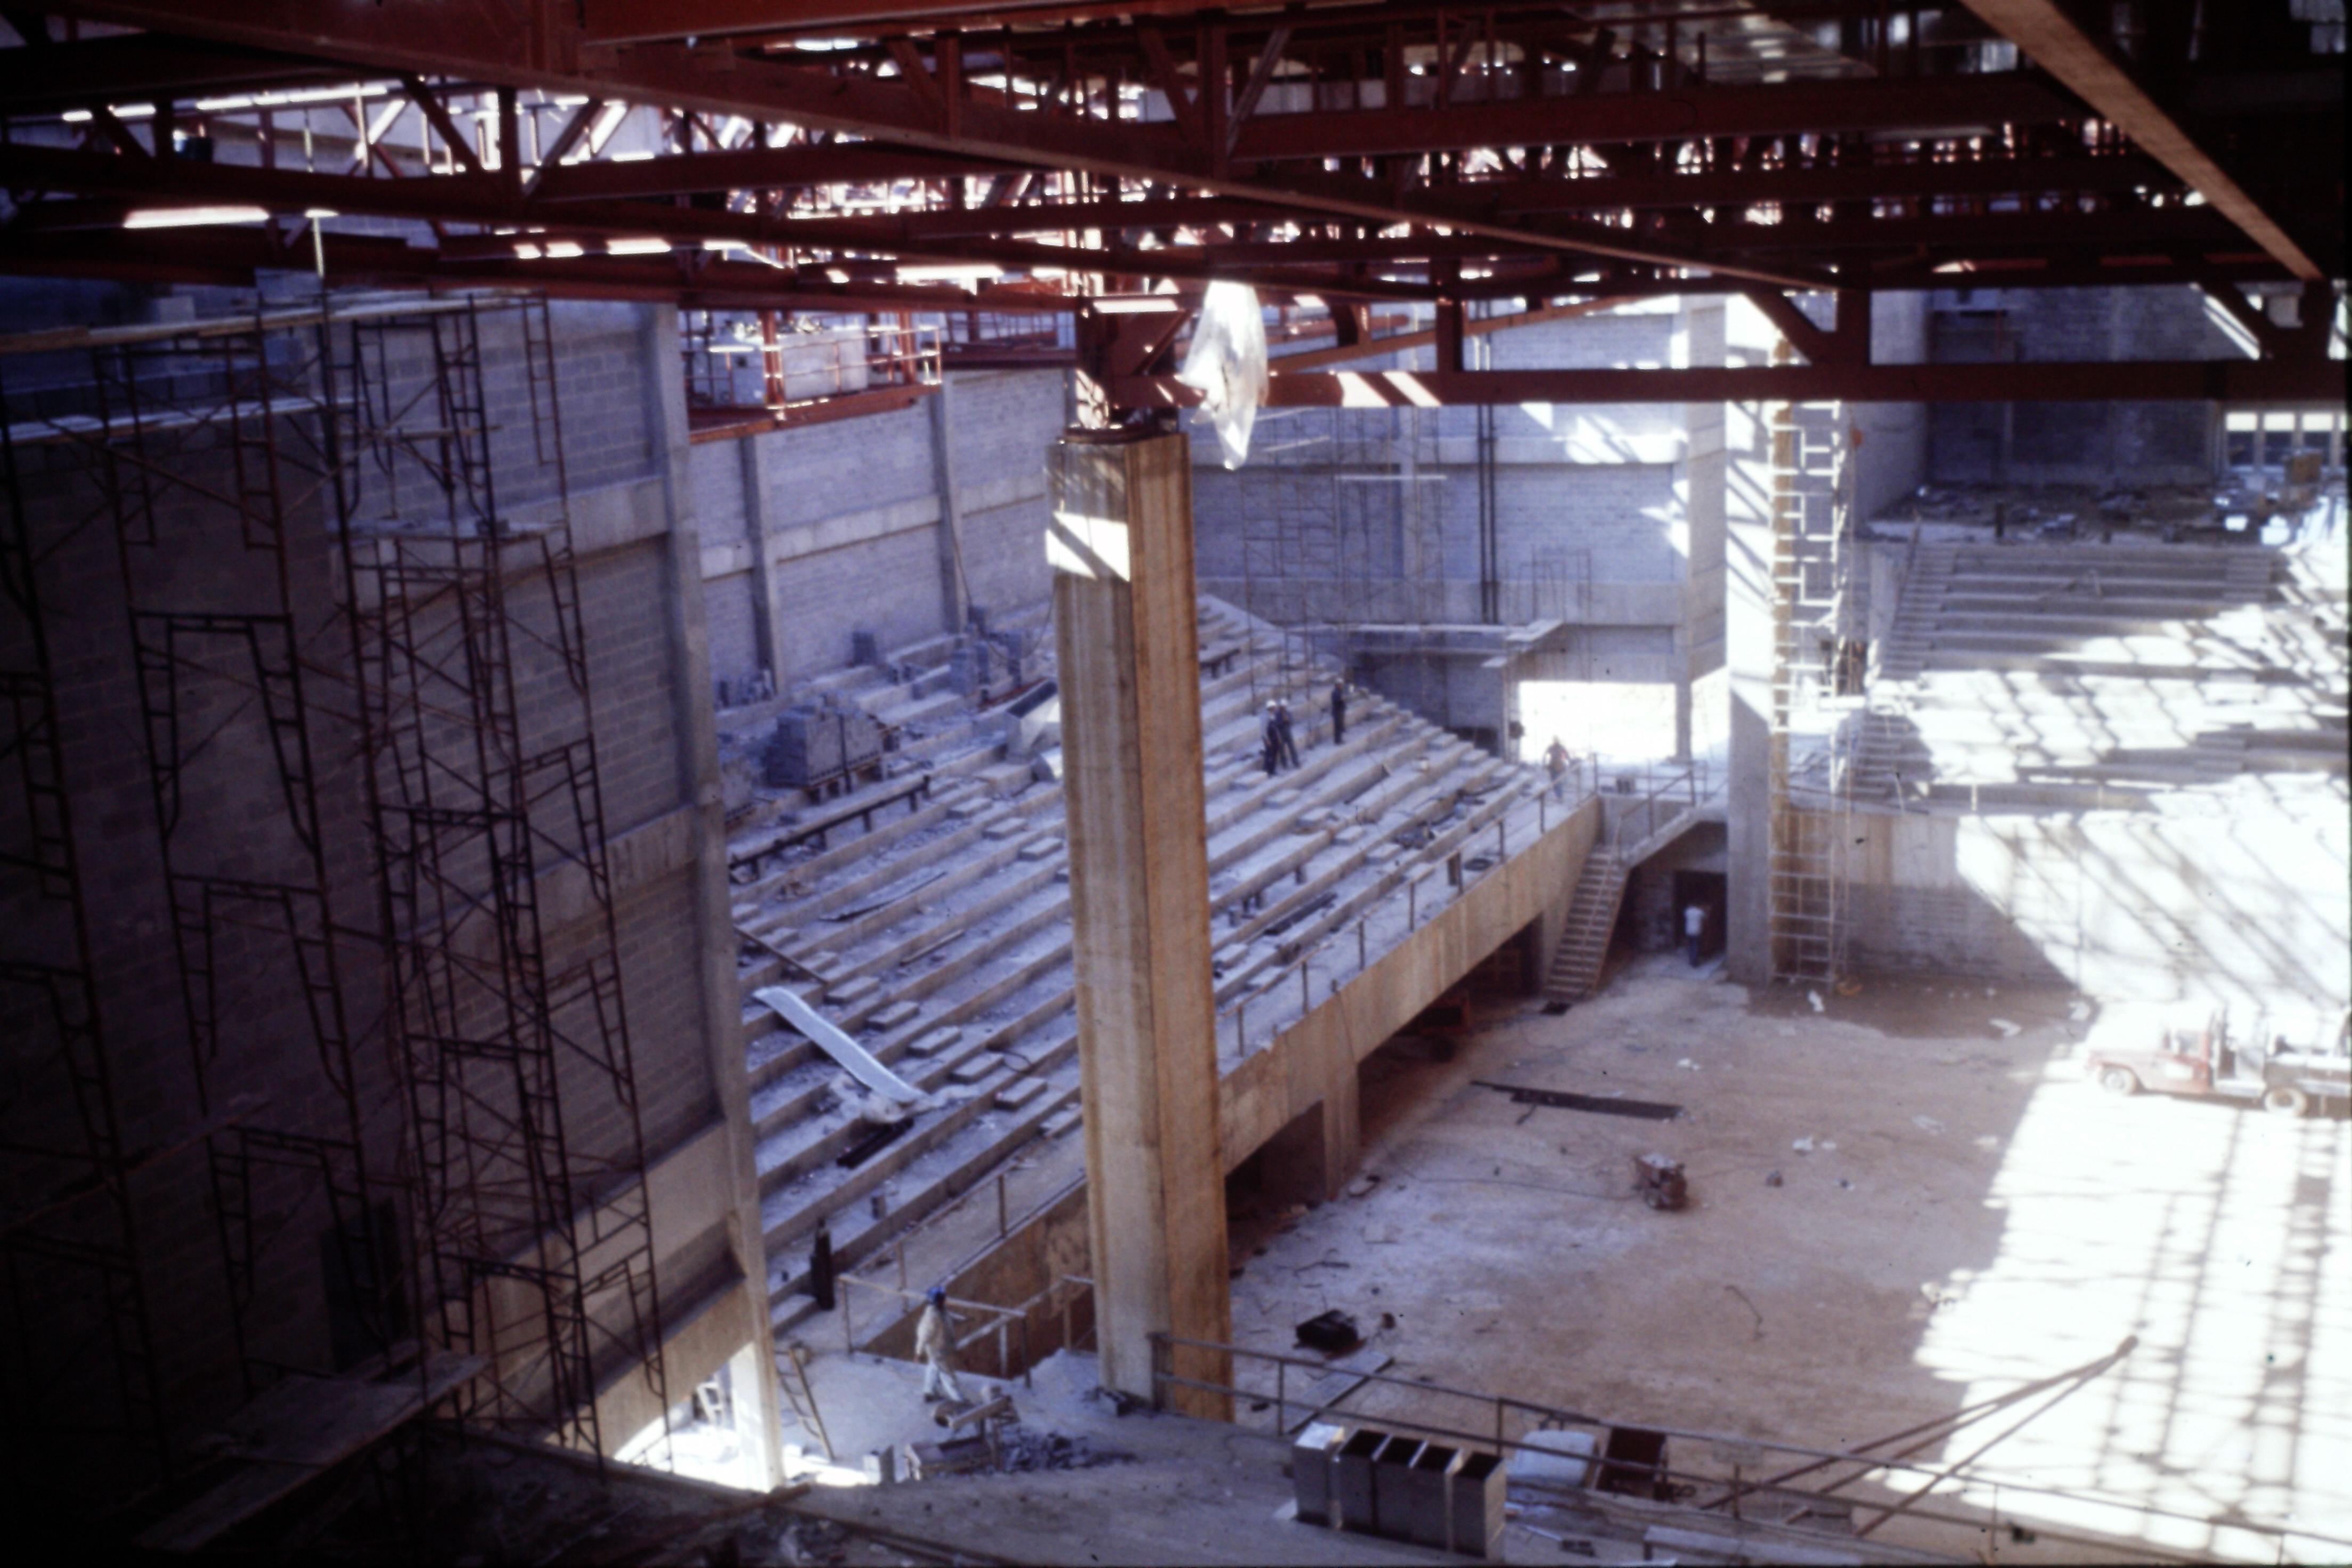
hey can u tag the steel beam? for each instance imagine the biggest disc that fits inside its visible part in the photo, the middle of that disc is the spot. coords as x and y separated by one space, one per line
130 67
484 199
1938 105
757 169
230 258
2318 381
527 44
2051 40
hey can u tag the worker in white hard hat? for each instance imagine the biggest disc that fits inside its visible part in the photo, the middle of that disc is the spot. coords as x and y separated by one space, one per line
935 1345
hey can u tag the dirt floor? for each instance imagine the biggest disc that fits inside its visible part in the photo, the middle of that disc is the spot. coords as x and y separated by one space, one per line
1970 1214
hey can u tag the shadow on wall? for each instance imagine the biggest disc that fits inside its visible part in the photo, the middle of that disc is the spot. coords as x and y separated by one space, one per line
2236 894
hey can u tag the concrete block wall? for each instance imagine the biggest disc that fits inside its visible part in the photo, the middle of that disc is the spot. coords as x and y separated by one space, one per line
632 506
2073 443
1608 518
821 530
2234 895
233 820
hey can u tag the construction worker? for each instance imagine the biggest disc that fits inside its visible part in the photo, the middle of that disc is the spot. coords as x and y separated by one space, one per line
1269 735
1556 763
1694 927
936 1346
1285 736
1338 713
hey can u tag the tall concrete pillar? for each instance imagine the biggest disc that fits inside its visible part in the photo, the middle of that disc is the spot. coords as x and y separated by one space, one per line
1120 545
758 1418
756 454
955 591
1749 652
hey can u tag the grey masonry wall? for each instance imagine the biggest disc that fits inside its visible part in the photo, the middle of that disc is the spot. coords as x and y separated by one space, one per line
2233 895
1606 528
647 680
2073 443
817 532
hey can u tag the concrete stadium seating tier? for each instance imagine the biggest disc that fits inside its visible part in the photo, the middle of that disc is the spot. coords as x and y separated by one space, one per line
2022 676
942 939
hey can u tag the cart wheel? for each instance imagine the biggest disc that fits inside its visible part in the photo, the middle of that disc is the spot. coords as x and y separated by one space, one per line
2284 1101
2119 1080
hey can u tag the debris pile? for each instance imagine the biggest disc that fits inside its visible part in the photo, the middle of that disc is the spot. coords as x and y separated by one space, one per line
1019 1449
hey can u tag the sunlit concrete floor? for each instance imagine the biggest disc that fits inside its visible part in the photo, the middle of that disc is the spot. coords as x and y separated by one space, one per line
1985 1218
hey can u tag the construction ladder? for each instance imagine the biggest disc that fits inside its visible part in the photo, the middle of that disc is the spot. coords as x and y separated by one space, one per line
791 1375
1809 506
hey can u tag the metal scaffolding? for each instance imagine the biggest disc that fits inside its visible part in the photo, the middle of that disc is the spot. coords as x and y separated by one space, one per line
361 690
1809 781
206 452
78 1365
1339 531
532 1222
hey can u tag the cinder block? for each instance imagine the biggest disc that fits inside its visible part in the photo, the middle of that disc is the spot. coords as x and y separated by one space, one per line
891 1017
981 1067
1019 1092
854 992
935 1041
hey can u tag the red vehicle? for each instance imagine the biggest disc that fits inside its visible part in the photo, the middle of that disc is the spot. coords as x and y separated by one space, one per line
2293 1063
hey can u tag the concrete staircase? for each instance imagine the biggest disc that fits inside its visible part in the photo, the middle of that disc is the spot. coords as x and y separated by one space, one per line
1584 936
941 938
2030 676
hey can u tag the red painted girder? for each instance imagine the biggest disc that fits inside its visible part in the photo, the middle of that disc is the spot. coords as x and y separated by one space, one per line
1986 178
2317 382
130 67
229 257
1960 235
481 199
640 21
863 106
1934 105
2053 41
757 169
518 41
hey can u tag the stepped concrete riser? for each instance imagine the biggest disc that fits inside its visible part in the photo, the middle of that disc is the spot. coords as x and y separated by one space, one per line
1359 780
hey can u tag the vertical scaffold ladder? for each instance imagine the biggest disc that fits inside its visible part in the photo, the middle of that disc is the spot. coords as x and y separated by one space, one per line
1808 507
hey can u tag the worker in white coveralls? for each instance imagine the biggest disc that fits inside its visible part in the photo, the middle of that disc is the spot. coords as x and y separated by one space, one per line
937 1347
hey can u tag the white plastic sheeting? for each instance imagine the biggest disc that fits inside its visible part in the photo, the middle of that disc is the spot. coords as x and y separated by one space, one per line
823 1034
1226 361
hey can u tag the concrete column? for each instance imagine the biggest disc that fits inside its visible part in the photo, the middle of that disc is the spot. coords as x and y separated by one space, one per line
1749 650
1120 544
765 612
955 591
1342 1122
756 1397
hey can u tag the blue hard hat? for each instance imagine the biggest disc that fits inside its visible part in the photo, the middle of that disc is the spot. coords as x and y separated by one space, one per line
937 1296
